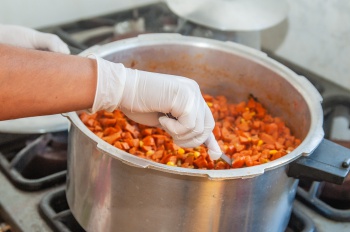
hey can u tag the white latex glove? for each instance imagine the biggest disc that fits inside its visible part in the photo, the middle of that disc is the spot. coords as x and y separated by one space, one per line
146 97
30 38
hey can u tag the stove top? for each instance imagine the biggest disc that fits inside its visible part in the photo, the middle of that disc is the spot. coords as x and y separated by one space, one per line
33 166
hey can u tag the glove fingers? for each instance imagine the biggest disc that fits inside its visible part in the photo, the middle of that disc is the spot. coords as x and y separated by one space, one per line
30 38
189 122
174 127
198 128
165 122
213 147
189 108
148 119
195 141
50 42
205 137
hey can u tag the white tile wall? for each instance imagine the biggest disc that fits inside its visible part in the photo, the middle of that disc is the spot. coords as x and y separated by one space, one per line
316 36
42 13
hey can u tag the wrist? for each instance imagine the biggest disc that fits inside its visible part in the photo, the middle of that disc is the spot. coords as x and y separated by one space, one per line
111 79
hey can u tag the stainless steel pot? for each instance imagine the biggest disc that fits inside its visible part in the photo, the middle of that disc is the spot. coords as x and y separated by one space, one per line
111 190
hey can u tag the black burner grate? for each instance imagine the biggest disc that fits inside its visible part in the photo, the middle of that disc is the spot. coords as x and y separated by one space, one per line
55 210
311 194
35 162
330 200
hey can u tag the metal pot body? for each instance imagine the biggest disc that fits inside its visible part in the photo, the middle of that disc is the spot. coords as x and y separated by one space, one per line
111 190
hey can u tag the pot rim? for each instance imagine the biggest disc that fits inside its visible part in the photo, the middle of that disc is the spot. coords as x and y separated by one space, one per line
303 86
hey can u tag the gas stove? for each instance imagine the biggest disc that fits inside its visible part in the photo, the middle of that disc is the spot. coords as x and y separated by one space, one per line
33 166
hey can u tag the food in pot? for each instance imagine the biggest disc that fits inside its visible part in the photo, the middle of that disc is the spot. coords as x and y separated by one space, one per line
246 132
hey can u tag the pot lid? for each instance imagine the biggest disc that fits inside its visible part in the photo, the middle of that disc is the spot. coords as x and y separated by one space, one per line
231 15
35 125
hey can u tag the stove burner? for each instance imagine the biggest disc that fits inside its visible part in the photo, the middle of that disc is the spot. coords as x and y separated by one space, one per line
36 164
131 23
337 128
11 144
121 25
311 194
300 222
54 209
331 200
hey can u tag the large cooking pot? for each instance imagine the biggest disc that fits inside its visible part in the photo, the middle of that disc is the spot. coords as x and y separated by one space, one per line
110 190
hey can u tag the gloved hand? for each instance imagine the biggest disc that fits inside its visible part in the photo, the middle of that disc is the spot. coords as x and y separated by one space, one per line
30 38
146 97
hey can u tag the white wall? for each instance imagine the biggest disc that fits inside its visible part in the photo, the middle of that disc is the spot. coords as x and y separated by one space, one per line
42 13
315 36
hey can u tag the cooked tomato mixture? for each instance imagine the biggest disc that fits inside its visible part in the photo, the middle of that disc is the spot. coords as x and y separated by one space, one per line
245 132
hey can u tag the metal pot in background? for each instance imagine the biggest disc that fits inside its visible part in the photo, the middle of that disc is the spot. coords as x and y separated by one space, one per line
240 21
111 190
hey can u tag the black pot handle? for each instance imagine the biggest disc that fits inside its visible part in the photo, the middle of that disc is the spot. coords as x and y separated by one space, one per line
329 162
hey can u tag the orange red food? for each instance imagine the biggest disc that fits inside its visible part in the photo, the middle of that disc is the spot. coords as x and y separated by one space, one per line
244 131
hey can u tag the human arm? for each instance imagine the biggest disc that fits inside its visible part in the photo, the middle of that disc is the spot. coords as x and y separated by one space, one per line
36 83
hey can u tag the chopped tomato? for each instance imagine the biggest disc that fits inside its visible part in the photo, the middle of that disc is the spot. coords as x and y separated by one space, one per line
245 131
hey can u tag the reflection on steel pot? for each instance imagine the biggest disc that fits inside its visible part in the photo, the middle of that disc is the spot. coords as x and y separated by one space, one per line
111 190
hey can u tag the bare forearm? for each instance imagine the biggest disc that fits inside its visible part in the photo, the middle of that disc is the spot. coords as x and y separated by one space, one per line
36 83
